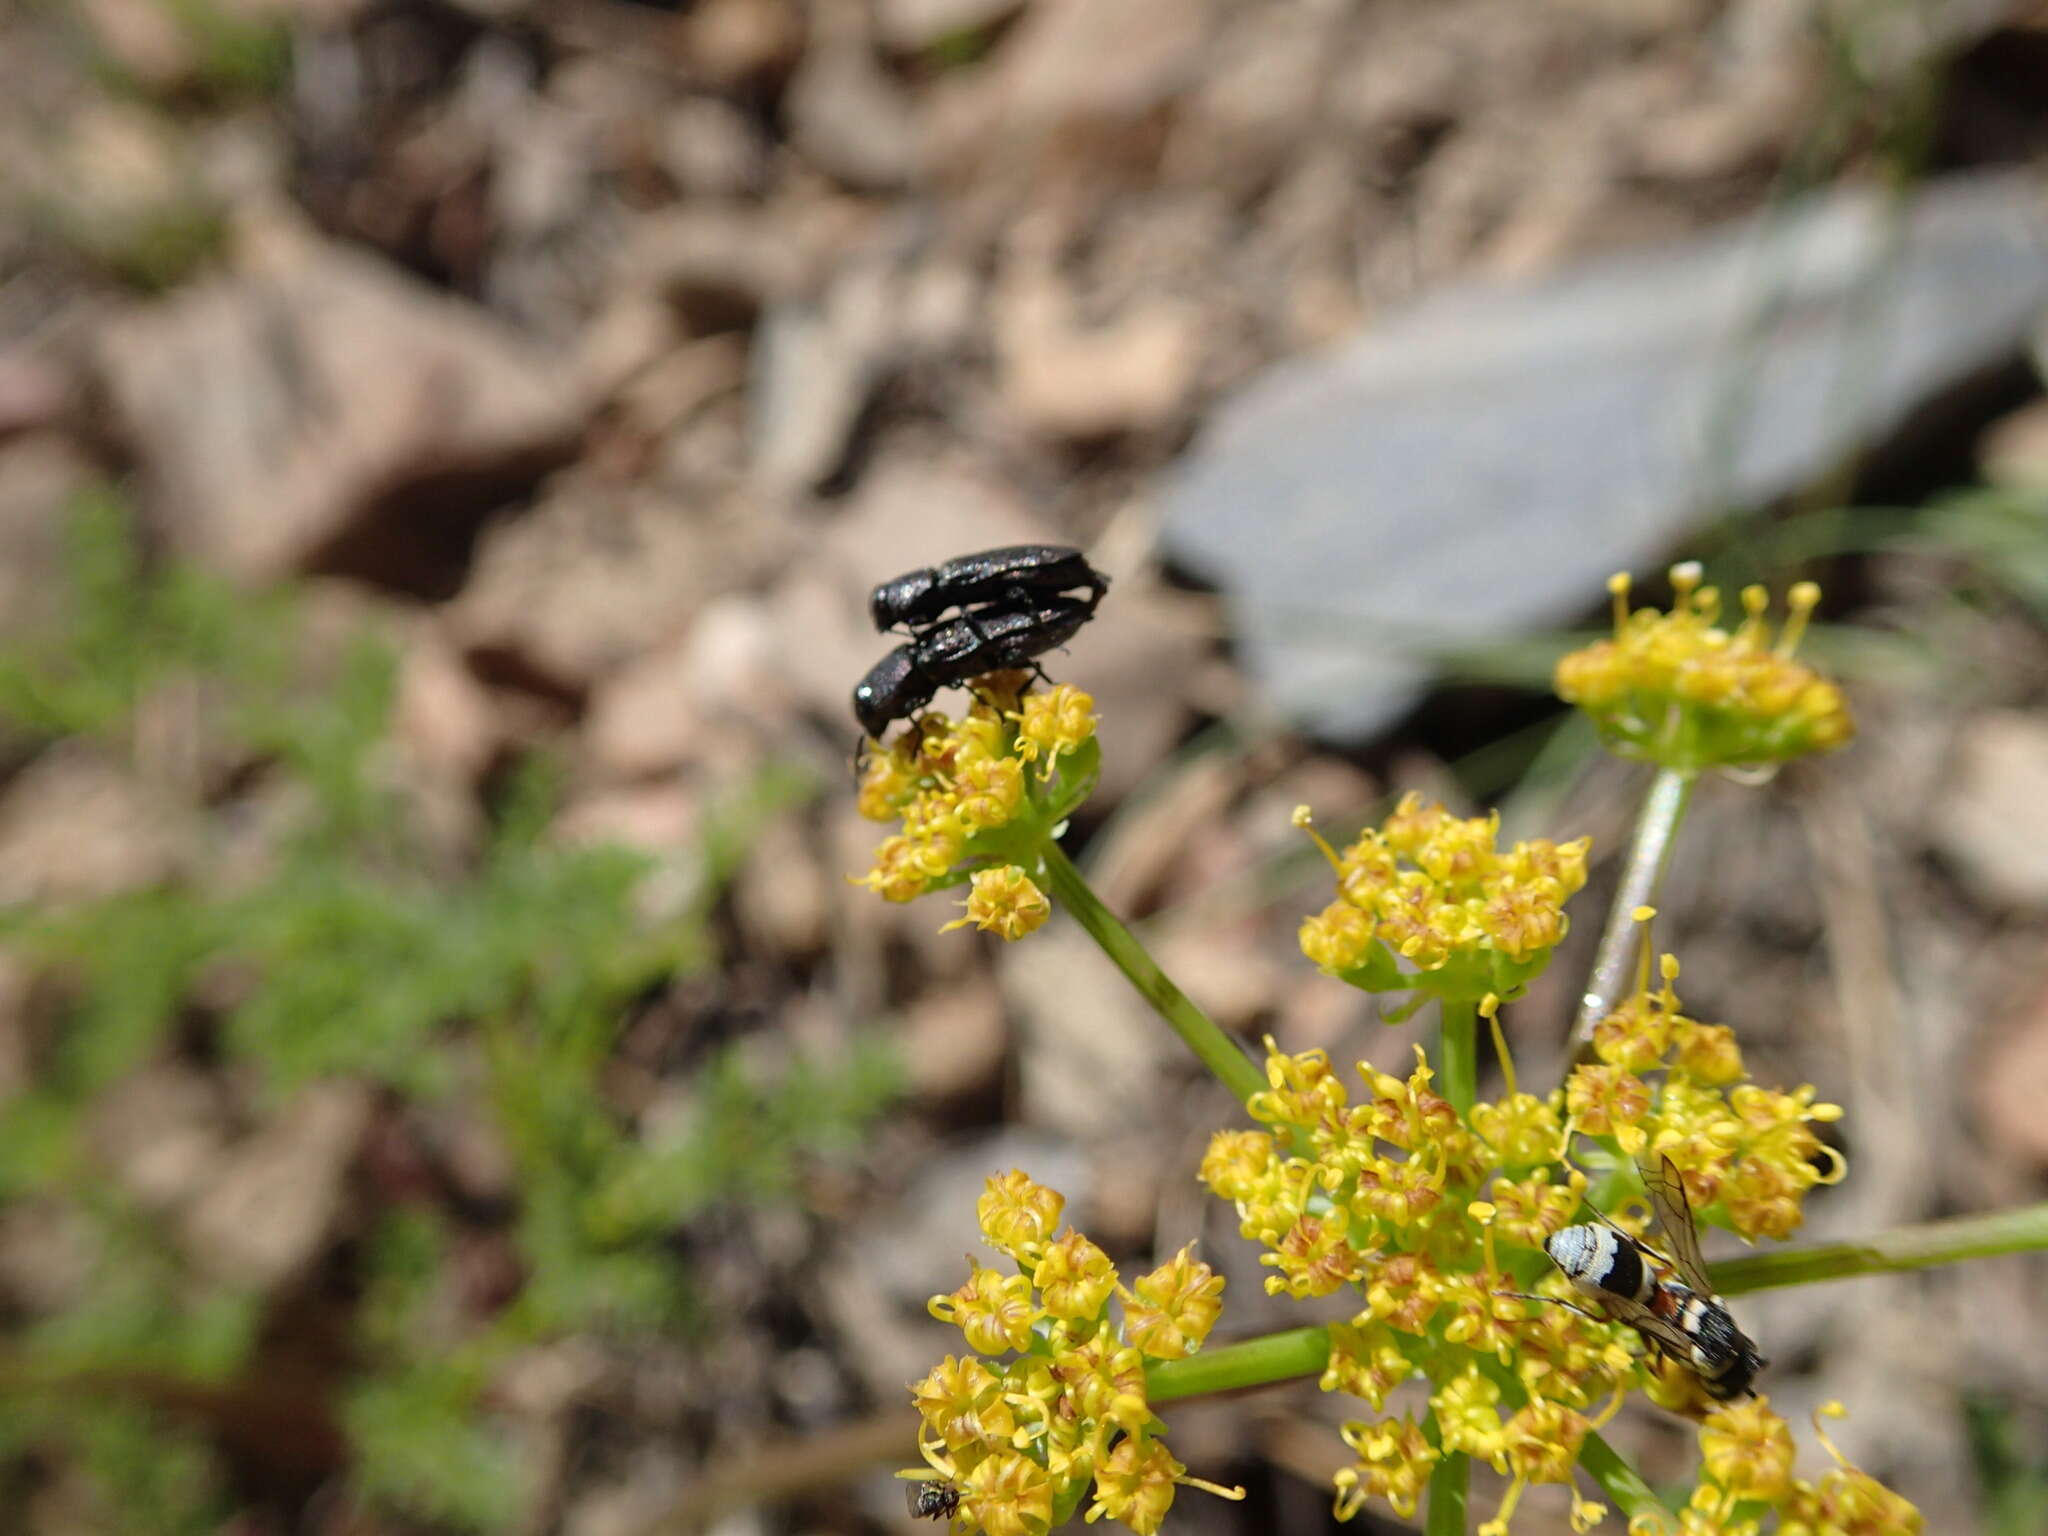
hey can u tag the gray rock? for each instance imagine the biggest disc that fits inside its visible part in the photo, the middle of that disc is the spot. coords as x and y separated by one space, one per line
315 409
1992 825
1480 462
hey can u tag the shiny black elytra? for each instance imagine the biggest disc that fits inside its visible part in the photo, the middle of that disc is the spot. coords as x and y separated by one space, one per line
932 1501
1015 578
987 639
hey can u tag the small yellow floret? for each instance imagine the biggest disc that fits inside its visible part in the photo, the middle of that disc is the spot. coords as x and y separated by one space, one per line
1748 1450
1169 1312
1018 1214
1003 901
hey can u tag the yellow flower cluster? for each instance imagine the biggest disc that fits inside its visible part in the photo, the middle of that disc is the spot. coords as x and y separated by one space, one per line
1379 1190
1678 690
1748 1153
979 797
1436 1219
1746 1455
1427 902
1021 1440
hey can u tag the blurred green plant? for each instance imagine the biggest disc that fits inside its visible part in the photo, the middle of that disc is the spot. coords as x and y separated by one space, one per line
350 955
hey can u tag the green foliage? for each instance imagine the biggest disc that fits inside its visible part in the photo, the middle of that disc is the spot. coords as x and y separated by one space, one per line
2012 1472
499 990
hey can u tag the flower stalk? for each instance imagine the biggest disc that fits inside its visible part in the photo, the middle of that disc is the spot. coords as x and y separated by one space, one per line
1649 856
1259 1362
1921 1246
1200 1033
1449 1484
1623 1484
1460 1055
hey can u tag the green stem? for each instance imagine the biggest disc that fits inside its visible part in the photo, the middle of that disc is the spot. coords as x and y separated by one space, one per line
1649 855
1459 1056
2024 1230
1623 1484
1449 1481
1216 1050
1250 1363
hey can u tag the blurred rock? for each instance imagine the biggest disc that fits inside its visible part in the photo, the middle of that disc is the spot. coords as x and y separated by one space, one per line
318 410
671 706
75 826
710 149
914 508
1232 969
632 1500
1131 862
911 26
442 718
1141 637
1076 70
2012 1084
162 1133
780 897
846 116
587 580
1092 1056
1064 380
2014 449
34 390
47 1255
280 1193
1478 464
1992 824
143 40
663 398
17 1029
716 266
814 367
628 336
954 1039
742 43
658 819
39 475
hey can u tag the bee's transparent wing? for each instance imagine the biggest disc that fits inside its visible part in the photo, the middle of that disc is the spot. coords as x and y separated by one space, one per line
1662 1332
1674 1219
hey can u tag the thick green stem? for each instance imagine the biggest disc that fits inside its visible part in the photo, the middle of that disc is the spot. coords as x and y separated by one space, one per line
1649 855
1623 1484
1459 1063
1216 1050
1251 1363
2024 1230
1449 1481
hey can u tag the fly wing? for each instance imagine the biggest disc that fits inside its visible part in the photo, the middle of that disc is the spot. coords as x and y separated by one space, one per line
1674 1218
1660 1331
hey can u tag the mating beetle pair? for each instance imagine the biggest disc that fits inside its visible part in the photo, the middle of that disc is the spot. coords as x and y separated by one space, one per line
1014 606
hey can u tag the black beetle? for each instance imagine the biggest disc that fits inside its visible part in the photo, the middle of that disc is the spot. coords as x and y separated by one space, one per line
893 690
986 640
1015 576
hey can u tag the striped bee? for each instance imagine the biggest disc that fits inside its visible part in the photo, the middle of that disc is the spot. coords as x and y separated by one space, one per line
1667 1301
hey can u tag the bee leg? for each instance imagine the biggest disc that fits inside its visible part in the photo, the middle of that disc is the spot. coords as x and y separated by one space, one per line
1556 1301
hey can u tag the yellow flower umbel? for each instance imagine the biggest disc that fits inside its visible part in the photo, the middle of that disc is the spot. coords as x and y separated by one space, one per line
1024 1439
1668 1084
1678 690
1746 1455
978 799
1434 1220
1427 903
